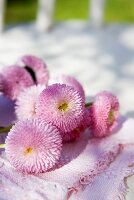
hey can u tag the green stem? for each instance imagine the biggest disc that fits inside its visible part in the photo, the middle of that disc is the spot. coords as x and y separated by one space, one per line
89 104
5 129
2 146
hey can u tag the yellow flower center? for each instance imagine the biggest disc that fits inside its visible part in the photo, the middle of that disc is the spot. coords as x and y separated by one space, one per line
63 107
111 116
28 150
34 110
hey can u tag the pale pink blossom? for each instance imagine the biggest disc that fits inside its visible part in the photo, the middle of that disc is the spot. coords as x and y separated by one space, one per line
68 80
62 106
26 102
33 147
105 114
36 67
15 80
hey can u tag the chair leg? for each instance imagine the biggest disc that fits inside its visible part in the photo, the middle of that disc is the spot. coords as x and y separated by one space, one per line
2 13
96 12
45 12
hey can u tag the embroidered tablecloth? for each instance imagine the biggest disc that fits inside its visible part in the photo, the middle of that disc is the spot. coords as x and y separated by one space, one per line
95 169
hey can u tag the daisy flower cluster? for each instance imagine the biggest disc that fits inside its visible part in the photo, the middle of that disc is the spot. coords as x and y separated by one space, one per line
50 111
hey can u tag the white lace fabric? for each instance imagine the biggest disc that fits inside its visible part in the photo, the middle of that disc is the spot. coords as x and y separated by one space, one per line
94 169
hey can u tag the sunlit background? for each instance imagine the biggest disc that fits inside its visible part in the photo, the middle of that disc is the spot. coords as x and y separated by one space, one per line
25 10
98 52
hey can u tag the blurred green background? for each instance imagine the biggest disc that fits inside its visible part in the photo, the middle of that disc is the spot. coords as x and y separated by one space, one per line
25 10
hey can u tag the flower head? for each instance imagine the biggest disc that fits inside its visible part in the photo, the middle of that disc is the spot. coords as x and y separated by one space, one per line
62 106
1 82
36 67
68 80
32 146
71 136
105 112
15 80
26 102
87 118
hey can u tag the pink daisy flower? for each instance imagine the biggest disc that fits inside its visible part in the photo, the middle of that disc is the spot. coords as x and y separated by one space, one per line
1 82
105 113
33 147
71 136
36 67
87 118
62 106
68 80
15 80
26 102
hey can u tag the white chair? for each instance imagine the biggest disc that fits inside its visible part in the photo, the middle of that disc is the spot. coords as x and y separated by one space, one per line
45 12
2 12
96 12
